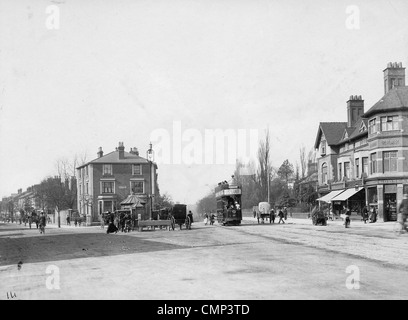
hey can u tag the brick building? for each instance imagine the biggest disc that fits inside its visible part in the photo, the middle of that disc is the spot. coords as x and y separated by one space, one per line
105 182
364 161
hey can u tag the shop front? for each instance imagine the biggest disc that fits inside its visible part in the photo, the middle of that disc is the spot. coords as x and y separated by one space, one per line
353 198
386 196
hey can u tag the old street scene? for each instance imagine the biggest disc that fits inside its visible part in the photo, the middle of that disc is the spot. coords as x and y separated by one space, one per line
253 150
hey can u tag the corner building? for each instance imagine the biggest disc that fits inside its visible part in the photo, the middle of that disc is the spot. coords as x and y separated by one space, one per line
364 161
108 180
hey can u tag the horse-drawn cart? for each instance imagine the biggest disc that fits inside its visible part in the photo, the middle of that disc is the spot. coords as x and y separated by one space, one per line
263 212
178 215
169 218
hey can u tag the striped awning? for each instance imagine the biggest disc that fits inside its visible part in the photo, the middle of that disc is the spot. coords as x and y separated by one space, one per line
327 198
347 194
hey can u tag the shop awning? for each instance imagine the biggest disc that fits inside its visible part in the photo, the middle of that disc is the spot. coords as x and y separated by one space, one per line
347 194
327 198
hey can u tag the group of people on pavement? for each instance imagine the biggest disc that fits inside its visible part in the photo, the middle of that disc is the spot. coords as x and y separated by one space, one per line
369 214
77 220
40 220
282 214
116 222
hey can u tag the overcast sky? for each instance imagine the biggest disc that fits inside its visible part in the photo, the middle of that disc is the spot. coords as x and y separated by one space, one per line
123 70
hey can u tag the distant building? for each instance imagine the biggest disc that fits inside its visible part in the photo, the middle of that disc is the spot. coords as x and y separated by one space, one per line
309 183
364 161
108 180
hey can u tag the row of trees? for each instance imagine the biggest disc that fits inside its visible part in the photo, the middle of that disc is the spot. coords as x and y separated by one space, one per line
53 193
261 181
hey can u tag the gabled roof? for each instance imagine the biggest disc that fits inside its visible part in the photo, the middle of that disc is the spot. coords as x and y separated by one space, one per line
347 133
395 99
333 132
113 157
356 133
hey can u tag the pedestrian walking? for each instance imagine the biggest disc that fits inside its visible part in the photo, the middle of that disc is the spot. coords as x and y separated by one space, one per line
281 215
364 214
190 215
43 221
347 220
272 215
205 218
30 221
68 221
373 217
212 218
285 213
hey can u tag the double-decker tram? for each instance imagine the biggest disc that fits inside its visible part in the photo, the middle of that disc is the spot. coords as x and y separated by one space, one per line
228 197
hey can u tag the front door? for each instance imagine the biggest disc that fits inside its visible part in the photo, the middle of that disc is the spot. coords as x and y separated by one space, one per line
390 207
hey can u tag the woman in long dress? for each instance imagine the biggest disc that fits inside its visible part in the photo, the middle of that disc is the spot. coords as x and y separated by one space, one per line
111 227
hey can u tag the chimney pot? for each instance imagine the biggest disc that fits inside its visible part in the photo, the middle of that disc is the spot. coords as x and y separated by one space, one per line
121 150
100 152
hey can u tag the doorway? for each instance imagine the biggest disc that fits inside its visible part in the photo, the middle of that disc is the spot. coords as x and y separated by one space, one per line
390 207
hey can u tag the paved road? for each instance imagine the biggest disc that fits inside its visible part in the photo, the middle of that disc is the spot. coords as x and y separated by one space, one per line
268 261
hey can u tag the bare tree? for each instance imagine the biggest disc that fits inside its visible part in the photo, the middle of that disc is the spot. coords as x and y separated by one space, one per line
66 168
265 169
52 193
303 161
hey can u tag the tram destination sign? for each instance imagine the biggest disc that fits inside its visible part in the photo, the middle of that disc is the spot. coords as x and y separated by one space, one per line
227 192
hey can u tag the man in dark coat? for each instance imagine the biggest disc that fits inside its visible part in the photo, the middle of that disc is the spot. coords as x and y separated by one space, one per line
190 214
365 214
272 215
281 216
43 221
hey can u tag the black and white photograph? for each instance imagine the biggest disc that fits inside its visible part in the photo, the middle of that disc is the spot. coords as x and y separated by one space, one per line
202 155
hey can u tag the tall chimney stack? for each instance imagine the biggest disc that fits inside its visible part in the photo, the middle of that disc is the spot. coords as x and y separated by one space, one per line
121 150
394 76
100 152
355 109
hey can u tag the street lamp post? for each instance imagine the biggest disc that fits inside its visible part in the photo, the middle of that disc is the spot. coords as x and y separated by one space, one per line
150 158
